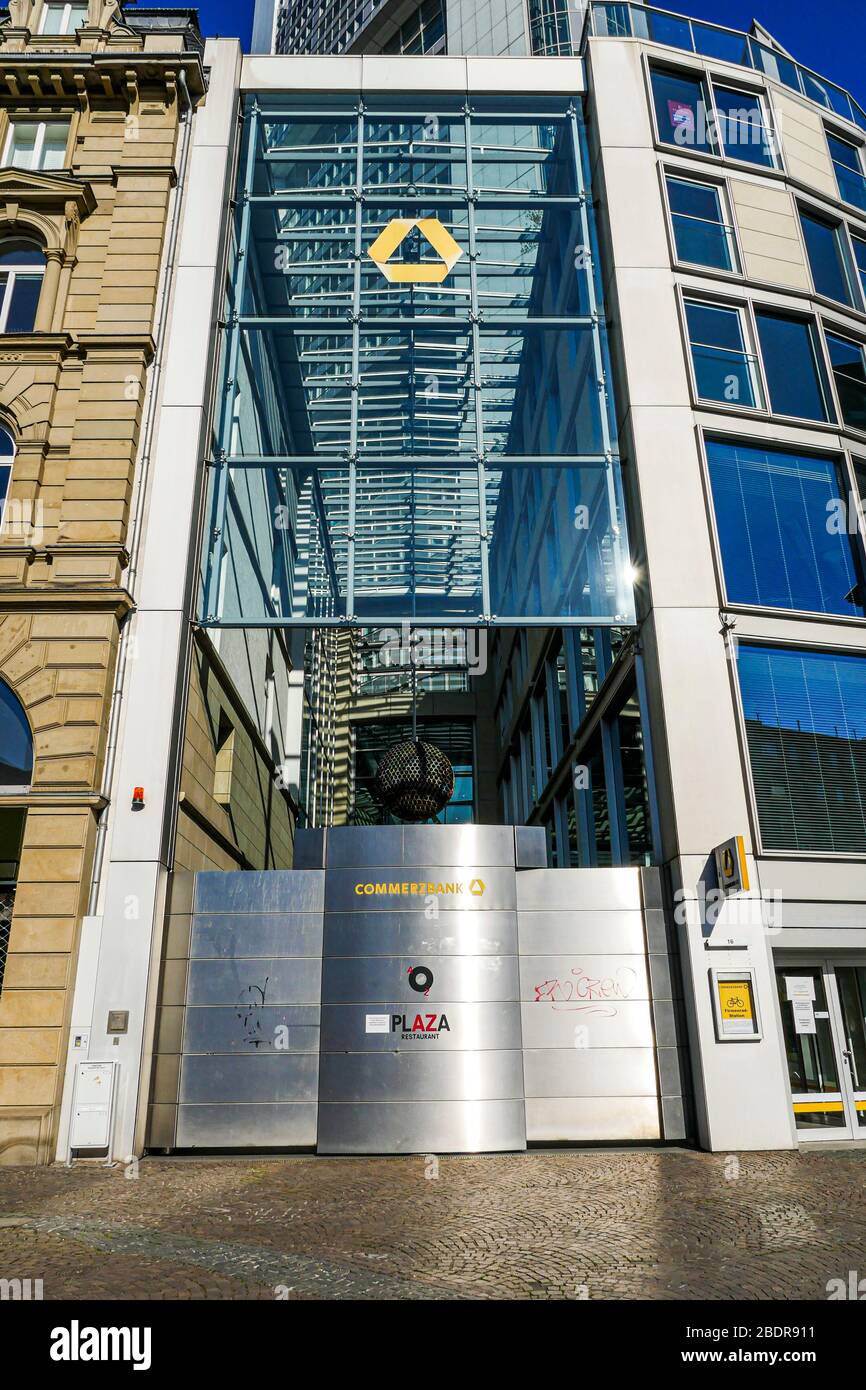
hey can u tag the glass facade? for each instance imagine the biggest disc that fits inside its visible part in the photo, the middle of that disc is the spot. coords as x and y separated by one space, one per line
574 757
416 419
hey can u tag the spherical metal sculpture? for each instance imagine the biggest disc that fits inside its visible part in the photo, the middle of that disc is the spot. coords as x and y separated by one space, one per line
414 781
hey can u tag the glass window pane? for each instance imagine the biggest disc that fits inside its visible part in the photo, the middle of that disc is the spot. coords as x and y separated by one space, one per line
775 65
669 30
860 258
794 377
415 150
742 127
805 714
16 741
815 89
17 253
824 246
699 229
634 784
539 392
415 394
531 262
306 152
774 515
554 545
23 305
52 22
681 110
726 44
22 144
417 543
305 261
294 393
723 369
523 155
849 372
849 172
54 146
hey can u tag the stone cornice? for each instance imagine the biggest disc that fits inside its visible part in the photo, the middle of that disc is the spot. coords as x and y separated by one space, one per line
46 347
71 598
44 797
34 76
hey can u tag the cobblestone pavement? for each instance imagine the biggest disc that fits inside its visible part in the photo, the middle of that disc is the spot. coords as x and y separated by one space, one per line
661 1224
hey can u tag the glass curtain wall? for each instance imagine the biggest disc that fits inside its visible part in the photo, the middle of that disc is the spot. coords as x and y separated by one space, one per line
415 421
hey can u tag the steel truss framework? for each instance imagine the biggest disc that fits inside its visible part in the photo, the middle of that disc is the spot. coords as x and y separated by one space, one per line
389 448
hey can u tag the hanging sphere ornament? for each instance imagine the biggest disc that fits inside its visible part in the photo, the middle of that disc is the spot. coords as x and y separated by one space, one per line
414 781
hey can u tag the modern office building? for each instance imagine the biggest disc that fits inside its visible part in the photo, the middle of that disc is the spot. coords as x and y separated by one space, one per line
532 394
519 28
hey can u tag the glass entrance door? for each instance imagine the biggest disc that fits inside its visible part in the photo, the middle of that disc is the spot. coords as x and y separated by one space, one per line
851 985
823 1006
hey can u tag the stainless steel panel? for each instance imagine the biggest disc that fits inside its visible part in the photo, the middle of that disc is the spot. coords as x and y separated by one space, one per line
471 1027
309 849
421 1076
657 934
601 933
671 1065
495 889
251 1029
286 1126
247 935
479 846
662 980
530 846
455 978
567 890
446 1127
626 1024
270 1077
665 1020
411 934
674 1118
599 1071
243 982
592 1120
269 890
364 846
583 983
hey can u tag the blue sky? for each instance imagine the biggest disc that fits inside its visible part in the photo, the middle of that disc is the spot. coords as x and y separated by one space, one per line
830 37
231 18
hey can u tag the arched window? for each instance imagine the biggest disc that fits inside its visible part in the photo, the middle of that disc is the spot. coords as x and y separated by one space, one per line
22 267
16 743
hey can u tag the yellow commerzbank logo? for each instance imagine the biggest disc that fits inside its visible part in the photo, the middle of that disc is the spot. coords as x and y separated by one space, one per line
474 889
415 272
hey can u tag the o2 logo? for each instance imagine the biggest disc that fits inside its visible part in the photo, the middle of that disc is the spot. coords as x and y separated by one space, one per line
420 979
